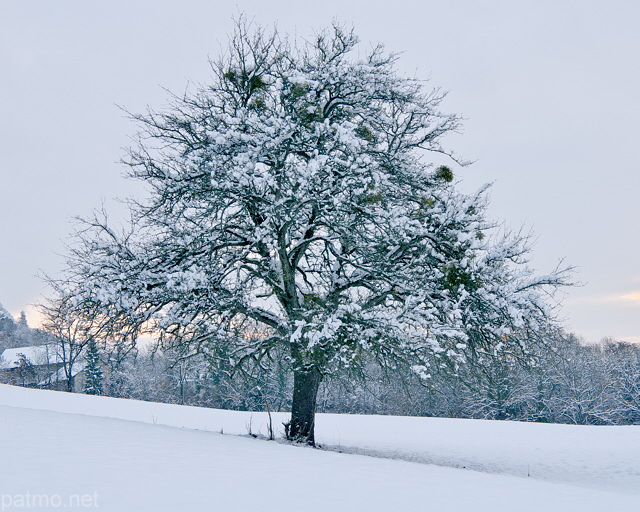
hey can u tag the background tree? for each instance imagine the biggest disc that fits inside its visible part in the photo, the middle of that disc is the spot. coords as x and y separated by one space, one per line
70 335
92 370
26 370
293 210
624 381
72 328
7 323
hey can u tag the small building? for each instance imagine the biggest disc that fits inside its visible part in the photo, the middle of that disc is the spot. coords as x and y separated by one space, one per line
38 366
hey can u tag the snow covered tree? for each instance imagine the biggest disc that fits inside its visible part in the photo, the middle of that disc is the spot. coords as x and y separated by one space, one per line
293 208
92 370
26 370
72 326
7 323
70 334
22 321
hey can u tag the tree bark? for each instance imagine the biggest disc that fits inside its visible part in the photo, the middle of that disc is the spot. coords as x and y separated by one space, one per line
303 407
70 383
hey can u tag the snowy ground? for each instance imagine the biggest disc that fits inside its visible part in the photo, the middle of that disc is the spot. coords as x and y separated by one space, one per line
74 451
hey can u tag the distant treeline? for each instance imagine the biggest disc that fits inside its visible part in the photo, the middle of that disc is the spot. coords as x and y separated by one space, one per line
563 382
17 333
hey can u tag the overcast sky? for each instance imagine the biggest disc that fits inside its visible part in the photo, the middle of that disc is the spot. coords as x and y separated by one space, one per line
549 91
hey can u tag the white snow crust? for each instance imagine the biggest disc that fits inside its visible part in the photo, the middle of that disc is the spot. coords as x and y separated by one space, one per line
131 456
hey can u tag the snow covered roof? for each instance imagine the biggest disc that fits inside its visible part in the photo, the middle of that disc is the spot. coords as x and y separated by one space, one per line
38 355
59 375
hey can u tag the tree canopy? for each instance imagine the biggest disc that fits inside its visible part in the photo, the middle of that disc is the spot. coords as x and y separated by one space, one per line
293 207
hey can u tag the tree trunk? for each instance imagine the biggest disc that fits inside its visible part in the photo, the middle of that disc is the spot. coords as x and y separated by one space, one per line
303 408
70 383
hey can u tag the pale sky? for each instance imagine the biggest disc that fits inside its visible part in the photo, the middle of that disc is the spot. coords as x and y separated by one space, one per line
549 90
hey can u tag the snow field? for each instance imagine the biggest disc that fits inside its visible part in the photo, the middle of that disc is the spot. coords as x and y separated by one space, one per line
131 457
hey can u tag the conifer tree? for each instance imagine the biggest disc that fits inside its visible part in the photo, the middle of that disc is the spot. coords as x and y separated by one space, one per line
92 370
